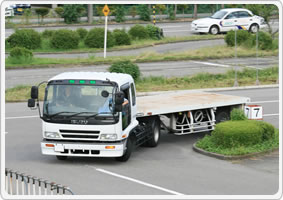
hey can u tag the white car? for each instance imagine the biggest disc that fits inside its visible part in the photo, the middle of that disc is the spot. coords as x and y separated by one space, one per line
9 11
228 19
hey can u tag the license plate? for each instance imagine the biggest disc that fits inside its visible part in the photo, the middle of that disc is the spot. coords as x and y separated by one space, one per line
20 9
59 147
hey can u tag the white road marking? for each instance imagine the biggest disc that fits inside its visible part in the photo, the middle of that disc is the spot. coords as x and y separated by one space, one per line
21 117
212 64
171 27
269 115
176 31
6 132
273 101
139 182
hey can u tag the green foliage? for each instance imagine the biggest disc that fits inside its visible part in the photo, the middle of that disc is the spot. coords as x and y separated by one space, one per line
172 15
71 13
126 67
121 37
59 11
133 11
154 32
242 36
27 14
42 12
82 33
237 114
20 55
95 38
264 41
27 38
144 12
120 13
65 39
160 8
47 33
268 130
138 32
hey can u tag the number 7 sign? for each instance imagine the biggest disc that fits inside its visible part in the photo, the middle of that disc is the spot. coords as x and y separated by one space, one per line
254 112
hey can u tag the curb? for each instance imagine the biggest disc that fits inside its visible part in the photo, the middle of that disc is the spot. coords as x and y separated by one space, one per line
224 157
208 90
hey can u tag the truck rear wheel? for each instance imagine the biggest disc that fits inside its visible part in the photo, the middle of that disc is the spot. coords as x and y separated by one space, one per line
153 142
61 157
222 115
128 152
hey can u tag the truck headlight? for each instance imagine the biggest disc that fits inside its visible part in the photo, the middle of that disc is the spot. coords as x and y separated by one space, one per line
51 134
108 136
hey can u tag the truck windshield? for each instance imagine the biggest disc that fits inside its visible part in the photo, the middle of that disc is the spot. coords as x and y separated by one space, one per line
78 101
219 15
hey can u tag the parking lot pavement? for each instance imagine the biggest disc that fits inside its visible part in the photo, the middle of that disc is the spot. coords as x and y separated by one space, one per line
171 168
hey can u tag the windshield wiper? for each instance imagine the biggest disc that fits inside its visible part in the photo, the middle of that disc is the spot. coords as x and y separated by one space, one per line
56 114
81 113
94 115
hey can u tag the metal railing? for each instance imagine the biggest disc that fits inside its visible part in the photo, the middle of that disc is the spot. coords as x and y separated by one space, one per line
17 183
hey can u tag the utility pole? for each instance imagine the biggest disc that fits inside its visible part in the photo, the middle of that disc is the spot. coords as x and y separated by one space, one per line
90 13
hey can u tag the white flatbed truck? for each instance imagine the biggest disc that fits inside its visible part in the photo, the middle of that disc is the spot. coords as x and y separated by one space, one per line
98 114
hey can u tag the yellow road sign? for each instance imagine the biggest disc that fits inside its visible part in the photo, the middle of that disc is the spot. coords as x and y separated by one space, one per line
106 10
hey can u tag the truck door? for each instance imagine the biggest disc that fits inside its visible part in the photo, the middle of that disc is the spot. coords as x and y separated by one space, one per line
126 109
229 22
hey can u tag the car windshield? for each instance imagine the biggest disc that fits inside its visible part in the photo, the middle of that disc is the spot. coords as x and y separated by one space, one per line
78 100
219 15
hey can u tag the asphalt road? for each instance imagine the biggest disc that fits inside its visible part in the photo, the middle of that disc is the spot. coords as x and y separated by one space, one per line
169 29
171 168
168 69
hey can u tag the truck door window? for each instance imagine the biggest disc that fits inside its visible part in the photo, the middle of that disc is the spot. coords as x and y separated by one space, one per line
133 94
126 109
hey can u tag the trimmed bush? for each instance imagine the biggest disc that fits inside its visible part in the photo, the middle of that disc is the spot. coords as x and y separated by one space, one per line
47 33
65 39
27 38
268 130
242 36
95 38
237 114
138 32
144 12
231 134
126 67
121 37
82 32
264 40
42 12
20 55
154 32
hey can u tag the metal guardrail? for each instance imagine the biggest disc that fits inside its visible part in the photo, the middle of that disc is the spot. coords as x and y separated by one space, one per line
17 183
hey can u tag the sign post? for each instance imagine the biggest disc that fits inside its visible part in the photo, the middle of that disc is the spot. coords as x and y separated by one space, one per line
106 12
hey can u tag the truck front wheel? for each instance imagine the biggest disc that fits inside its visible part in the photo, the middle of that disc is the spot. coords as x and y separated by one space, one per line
153 142
128 152
61 157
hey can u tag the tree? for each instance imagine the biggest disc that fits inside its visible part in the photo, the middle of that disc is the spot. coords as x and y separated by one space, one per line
266 11
27 15
72 12
144 12
133 11
42 12
120 13
90 13
172 15
195 11
183 7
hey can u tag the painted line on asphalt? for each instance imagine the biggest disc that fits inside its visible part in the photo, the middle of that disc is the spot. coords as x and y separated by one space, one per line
270 115
139 182
176 31
22 117
272 101
212 64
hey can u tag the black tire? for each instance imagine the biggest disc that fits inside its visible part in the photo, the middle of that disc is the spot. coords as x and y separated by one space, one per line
254 28
222 115
214 30
61 157
128 152
154 140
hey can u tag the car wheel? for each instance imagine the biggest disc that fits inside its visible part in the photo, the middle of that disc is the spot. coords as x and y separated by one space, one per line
214 30
254 28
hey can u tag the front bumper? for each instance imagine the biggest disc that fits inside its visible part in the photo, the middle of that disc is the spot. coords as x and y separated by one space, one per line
199 29
62 148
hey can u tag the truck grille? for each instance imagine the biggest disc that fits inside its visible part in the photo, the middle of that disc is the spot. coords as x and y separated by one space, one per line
79 134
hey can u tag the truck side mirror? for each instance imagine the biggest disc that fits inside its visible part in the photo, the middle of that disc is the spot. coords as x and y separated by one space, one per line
34 92
31 103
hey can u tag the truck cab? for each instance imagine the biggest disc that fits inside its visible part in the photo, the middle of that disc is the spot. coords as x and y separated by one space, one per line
87 114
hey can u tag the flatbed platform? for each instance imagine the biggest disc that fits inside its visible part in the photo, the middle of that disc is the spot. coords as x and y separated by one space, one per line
184 101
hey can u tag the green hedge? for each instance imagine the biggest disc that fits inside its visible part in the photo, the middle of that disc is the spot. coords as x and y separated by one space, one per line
27 38
47 33
65 39
154 32
121 37
82 33
242 36
138 32
20 55
237 114
126 67
95 38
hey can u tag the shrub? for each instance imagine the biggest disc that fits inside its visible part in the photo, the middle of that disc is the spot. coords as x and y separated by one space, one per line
65 39
20 55
42 12
82 32
126 67
237 114
121 37
47 33
27 38
268 130
242 36
231 134
138 32
59 11
154 32
95 38
144 12
72 12
264 40
120 13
